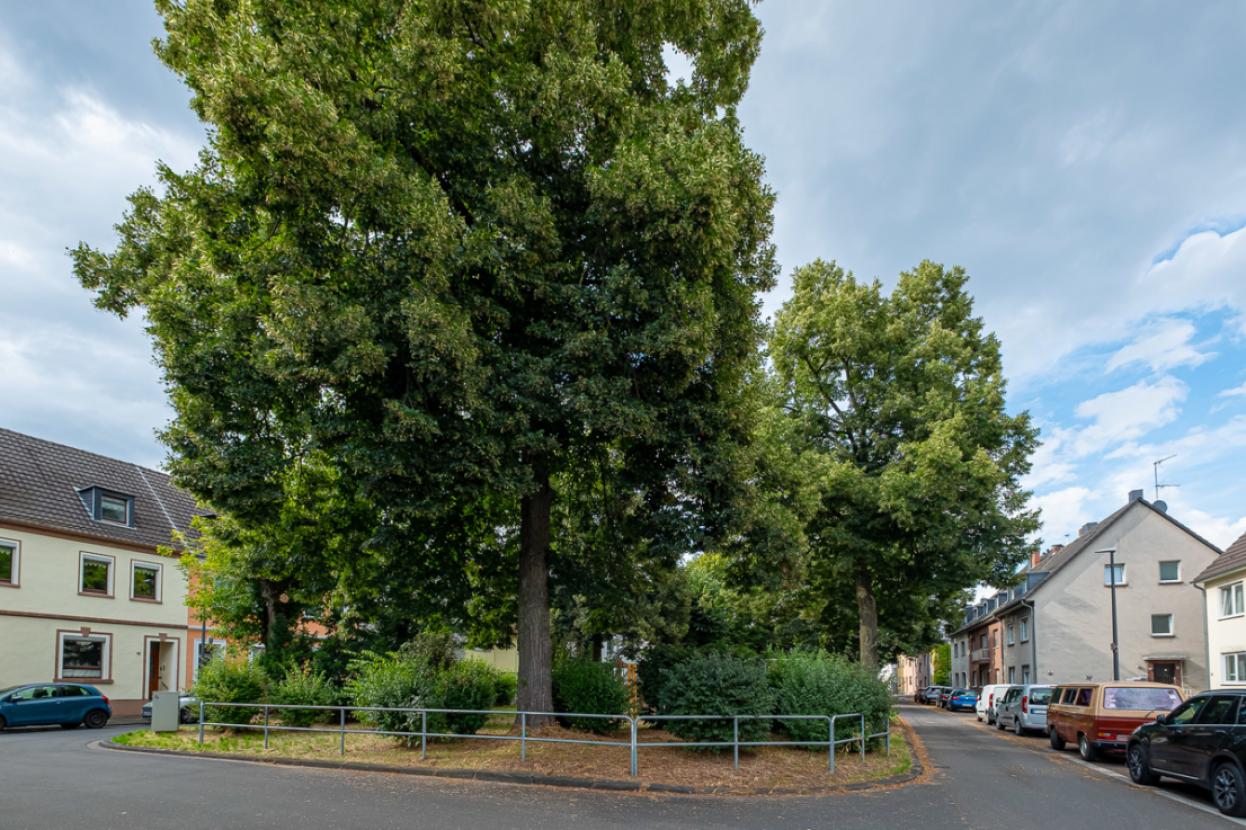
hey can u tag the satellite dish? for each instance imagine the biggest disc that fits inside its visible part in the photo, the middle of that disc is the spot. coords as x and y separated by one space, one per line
1160 505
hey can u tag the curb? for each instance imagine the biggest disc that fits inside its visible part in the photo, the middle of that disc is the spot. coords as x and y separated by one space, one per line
915 771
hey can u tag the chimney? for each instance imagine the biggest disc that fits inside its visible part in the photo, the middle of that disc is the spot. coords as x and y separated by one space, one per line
1135 495
1086 528
1054 549
1036 556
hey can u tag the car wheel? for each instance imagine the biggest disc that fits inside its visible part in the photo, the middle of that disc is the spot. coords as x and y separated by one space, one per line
1057 743
1228 790
95 719
999 724
1140 765
1086 749
1016 727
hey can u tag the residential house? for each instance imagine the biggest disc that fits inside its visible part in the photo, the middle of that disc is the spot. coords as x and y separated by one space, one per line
1224 590
978 644
914 672
85 593
1056 624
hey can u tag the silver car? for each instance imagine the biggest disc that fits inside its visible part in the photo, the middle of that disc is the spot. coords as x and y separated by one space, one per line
1024 708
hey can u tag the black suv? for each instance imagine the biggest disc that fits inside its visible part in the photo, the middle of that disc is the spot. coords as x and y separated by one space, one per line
1202 741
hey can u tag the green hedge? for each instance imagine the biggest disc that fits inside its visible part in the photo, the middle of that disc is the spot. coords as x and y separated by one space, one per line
304 687
816 683
716 684
232 680
653 665
589 686
405 680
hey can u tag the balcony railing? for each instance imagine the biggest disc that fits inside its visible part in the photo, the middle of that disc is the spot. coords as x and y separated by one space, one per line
980 655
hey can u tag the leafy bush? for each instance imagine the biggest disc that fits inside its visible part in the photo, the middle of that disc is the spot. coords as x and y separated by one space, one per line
508 689
393 681
816 683
588 686
438 650
232 680
303 687
467 684
652 666
716 684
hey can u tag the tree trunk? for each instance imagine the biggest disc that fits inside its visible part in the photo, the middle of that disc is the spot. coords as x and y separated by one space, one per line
867 615
535 651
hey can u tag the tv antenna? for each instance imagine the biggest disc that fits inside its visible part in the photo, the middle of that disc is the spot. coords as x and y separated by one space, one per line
1155 466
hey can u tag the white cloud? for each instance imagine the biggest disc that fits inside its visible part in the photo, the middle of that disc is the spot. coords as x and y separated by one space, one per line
1235 392
1162 345
1051 462
1063 511
1128 414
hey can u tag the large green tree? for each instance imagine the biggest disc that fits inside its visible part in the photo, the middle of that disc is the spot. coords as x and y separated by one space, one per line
458 247
902 395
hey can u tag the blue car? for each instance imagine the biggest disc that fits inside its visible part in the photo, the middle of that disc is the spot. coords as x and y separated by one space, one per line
962 700
46 704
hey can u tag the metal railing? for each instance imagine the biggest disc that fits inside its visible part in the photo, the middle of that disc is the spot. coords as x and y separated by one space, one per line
858 735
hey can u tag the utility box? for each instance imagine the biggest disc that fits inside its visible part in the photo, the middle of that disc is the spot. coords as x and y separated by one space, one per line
165 711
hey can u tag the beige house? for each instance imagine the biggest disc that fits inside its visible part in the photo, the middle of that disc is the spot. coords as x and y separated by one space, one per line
1056 624
1224 587
913 673
84 593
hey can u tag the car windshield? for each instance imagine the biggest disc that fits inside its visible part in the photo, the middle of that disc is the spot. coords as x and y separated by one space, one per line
1040 697
1140 699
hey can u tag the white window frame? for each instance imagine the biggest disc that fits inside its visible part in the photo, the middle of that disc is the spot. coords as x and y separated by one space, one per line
1012 634
221 644
1025 675
1107 577
1171 626
1235 593
1234 665
110 561
1012 675
1164 562
105 656
100 495
15 575
1025 630
135 564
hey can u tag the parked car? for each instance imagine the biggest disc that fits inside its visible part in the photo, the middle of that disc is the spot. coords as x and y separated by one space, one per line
919 696
1202 741
47 704
945 692
988 700
188 710
1024 708
1103 716
962 700
930 695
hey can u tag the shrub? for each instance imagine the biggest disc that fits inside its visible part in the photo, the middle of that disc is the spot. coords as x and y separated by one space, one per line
393 681
438 650
816 683
716 684
232 680
588 686
652 666
467 684
508 689
303 687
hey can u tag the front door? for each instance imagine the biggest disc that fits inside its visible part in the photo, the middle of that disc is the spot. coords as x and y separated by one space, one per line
1166 672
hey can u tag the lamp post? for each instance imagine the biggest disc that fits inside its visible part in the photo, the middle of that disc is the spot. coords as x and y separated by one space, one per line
1116 656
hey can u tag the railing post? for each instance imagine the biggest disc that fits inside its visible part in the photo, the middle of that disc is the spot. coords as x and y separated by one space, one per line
266 726
862 738
423 734
523 736
735 741
633 720
830 745
341 748
887 737
201 723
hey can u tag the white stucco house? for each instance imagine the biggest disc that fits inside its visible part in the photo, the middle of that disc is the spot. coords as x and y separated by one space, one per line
1224 589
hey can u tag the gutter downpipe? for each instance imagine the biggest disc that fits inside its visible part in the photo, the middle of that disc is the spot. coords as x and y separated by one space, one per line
1025 603
1206 638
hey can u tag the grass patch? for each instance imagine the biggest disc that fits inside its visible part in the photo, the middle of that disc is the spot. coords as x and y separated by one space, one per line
761 768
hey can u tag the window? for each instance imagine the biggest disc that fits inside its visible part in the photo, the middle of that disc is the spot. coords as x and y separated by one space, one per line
1025 630
204 652
1231 601
1170 571
145 581
1235 667
1012 674
1120 574
1161 625
114 509
1025 674
95 574
84 657
1140 698
8 562
1187 712
1083 697
1221 709
1070 695
1012 635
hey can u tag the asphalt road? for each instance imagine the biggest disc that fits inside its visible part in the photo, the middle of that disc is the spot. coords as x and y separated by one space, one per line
980 779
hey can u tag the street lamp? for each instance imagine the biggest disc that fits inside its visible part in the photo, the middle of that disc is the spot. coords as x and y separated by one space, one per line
1116 657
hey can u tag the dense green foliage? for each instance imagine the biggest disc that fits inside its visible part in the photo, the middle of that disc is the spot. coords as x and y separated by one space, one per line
231 680
898 403
653 665
300 686
816 683
942 668
409 679
717 684
507 686
590 687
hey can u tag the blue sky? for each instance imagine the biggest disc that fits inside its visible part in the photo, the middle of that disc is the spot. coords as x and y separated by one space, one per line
1083 161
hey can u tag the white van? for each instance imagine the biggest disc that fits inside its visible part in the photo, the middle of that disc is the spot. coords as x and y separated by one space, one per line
989 699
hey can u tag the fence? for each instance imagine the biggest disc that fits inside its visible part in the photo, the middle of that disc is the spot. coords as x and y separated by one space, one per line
860 736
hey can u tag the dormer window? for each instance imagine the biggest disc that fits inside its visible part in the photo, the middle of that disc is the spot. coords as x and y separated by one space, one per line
108 506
